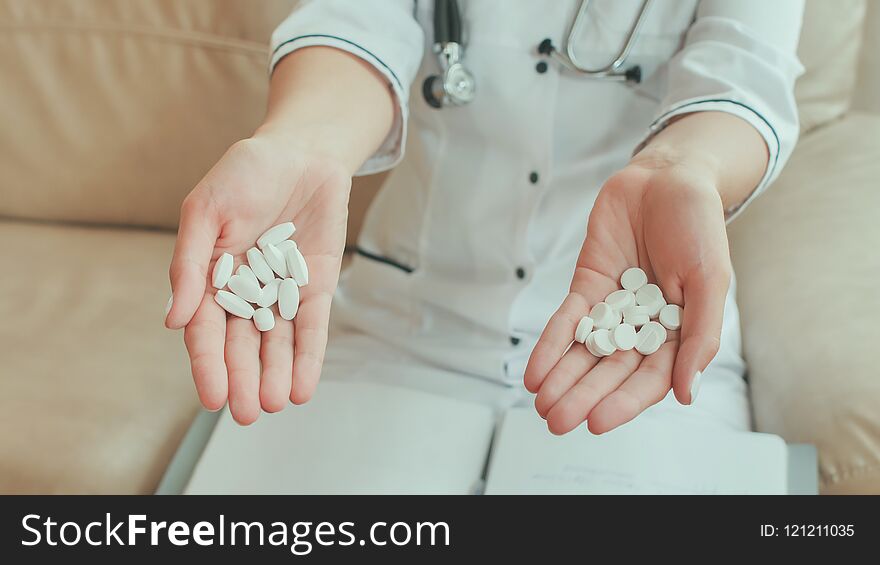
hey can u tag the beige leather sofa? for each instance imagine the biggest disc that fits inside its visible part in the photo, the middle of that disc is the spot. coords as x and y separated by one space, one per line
111 110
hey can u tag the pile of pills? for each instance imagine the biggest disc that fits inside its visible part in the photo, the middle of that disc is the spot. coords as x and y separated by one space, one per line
634 317
277 263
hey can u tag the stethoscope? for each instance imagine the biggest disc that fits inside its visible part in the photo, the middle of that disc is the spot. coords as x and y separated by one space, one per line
455 85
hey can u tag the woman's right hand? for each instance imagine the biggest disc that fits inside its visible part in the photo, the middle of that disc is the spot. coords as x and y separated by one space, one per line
259 182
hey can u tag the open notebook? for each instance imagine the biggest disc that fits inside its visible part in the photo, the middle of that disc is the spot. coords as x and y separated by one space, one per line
458 447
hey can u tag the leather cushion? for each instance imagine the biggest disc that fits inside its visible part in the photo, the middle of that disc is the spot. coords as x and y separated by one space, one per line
806 257
95 394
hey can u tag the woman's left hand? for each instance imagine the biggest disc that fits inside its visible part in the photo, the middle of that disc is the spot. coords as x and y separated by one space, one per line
667 218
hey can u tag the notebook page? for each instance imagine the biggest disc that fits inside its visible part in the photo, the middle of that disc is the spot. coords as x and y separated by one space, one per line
646 456
346 440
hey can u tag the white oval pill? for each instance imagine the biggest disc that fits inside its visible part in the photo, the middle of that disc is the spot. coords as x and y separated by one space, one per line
670 316
648 294
602 342
285 246
246 271
276 234
245 288
624 337
234 304
620 300
264 319
296 264
259 265
222 271
604 316
584 327
288 299
650 338
270 294
276 260
633 279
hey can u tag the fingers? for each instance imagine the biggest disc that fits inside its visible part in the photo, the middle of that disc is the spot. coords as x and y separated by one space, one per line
576 362
700 329
276 354
196 237
554 340
243 364
310 325
205 338
572 409
644 388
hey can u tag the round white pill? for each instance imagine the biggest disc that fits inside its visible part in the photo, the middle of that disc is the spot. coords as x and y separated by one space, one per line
264 319
648 295
234 305
670 316
633 279
288 299
624 337
246 271
650 337
655 307
604 316
222 271
637 310
602 342
276 260
636 320
270 294
296 264
259 265
584 327
276 234
245 288
620 300
591 346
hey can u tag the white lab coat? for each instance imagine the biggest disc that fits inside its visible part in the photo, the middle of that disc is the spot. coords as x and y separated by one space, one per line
471 245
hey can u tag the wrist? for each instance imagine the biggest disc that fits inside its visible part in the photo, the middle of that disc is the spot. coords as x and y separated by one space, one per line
703 168
313 141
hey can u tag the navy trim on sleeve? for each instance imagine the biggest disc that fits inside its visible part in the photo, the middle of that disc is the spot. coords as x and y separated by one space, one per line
741 104
379 258
362 48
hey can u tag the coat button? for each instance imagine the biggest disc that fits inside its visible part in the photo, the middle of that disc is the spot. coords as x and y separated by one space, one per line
520 273
533 177
514 340
541 67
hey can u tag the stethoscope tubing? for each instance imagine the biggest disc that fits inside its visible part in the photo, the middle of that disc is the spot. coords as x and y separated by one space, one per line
448 46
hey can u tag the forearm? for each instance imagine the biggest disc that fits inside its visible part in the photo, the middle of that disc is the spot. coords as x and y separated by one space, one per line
724 147
329 102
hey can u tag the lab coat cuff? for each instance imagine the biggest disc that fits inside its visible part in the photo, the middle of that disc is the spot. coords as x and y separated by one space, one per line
390 152
736 108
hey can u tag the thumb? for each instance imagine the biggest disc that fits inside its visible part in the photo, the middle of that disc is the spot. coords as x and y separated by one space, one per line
704 296
196 237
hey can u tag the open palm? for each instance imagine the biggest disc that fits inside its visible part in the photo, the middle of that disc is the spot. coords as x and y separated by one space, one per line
253 187
670 222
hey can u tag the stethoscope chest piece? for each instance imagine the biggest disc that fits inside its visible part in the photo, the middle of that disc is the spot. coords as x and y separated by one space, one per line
455 85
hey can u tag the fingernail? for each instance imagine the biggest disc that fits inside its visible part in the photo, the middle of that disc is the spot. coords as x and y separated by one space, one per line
695 386
168 305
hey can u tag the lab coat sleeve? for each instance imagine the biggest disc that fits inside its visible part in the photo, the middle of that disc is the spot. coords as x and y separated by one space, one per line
384 33
740 57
